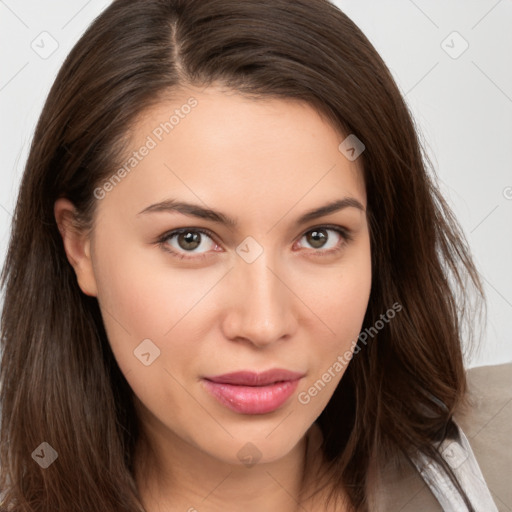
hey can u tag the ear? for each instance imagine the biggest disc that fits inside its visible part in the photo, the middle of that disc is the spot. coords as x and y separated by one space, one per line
77 245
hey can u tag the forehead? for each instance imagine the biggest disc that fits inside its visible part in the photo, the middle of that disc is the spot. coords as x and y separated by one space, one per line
220 147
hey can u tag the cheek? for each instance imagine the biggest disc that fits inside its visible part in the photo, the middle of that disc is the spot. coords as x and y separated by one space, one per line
145 298
138 302
135 285
343 300
144 309
341 307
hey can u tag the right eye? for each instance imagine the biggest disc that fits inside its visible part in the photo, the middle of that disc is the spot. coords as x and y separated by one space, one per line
186 240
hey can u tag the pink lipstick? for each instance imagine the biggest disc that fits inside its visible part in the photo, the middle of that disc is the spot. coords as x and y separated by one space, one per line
248 392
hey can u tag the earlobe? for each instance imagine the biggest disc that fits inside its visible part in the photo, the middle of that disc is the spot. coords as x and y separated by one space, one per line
77 245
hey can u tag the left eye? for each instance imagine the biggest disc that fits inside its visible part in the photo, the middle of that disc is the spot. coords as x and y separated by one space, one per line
319 238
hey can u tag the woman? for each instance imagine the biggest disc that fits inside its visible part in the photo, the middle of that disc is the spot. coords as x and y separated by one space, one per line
231 283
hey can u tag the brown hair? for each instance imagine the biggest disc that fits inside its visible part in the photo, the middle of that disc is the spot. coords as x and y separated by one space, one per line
60 381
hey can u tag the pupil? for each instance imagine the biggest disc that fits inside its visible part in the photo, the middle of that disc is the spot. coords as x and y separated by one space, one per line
190 240
318 238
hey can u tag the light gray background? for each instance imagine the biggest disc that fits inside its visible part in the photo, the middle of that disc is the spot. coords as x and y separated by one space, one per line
462 105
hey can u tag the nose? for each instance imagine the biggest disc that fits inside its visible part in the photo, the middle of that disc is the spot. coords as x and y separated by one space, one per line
262 307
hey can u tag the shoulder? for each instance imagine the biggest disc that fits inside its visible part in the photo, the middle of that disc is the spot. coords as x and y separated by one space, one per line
487 424
481 458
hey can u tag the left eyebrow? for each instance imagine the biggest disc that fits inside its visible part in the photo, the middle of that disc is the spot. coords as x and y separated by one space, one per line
195 210
347 202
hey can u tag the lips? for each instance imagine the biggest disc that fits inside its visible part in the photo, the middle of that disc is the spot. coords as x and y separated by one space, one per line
253 393
256 379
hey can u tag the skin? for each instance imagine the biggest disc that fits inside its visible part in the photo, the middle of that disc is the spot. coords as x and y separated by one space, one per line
264 163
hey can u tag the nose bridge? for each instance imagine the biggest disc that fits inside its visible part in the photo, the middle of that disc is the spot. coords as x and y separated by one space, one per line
261 310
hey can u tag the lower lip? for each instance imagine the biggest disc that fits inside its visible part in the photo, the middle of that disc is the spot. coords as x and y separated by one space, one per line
252 399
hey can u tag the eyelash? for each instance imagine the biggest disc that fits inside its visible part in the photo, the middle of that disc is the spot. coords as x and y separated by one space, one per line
345 234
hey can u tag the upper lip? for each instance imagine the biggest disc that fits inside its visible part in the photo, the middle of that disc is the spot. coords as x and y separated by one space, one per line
248 378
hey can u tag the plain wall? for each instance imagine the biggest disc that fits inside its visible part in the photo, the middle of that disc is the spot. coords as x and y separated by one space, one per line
460 100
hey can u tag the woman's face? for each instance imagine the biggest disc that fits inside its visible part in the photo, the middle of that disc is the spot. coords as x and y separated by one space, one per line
269 291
